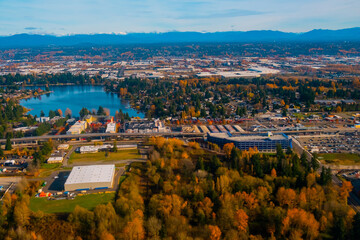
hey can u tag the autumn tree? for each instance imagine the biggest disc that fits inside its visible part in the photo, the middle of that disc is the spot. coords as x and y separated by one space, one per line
338 109
214 232
107 111
83 220
227 148
273 173
153 227
59 112
106 236
106 218
345 190
22 212
286 197
301 224
68 112
241 220
134 230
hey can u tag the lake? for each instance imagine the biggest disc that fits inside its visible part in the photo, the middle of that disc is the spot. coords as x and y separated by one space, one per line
75 98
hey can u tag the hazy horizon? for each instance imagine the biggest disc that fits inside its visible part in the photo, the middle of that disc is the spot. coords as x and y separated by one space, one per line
161 32
110 16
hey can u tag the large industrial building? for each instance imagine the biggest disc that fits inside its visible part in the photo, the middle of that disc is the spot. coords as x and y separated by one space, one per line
90 177
263 142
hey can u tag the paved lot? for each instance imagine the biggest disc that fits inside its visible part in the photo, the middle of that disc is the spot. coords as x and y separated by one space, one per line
341 142
8 180
9 184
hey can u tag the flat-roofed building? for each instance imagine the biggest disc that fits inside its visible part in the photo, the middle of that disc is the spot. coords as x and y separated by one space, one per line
55 160
90 177
63 147
263 142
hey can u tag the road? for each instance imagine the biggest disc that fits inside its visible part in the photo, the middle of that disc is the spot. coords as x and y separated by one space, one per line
100 135
68 154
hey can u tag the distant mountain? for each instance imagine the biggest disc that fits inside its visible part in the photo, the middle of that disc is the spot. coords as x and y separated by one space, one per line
29 40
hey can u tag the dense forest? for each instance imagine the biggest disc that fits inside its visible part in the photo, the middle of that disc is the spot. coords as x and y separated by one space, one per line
185 192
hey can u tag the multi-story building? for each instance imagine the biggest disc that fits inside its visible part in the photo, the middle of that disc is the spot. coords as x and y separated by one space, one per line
77 128
263 142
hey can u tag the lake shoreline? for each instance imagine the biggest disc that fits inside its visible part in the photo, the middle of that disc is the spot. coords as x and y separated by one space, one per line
75 97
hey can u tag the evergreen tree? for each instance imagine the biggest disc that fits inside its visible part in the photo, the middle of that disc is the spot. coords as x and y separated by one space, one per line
325 176
314 163
52 114
8 143
115 149
289 150
100 111
83 112
356 227
304 162
200 164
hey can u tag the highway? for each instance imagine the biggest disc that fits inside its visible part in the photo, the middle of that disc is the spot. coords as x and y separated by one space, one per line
141 135
100 135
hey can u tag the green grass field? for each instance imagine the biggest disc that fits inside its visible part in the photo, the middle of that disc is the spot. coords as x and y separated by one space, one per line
100 156
340 158
46 169
89 201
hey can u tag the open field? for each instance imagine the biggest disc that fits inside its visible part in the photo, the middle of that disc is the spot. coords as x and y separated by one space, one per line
340 158
47 169
89 201
100 156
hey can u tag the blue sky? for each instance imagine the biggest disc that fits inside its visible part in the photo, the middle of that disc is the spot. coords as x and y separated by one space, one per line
118 16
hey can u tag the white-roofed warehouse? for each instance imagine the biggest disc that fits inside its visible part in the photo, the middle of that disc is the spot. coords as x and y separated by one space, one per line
90 177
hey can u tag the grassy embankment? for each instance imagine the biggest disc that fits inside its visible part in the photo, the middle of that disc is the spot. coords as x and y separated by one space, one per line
340 158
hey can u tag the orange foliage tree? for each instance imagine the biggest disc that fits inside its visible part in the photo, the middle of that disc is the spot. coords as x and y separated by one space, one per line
300 223
228 147
215 232
241 220
345 190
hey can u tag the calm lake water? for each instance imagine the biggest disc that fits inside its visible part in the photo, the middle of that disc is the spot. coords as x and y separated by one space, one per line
75 98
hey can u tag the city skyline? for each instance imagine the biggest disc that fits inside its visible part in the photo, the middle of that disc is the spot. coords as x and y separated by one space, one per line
84 17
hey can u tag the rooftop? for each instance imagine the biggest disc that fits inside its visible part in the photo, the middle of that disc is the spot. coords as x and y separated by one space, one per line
91 174
249 137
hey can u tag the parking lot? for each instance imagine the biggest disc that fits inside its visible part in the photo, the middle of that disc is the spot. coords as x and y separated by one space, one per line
348 142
